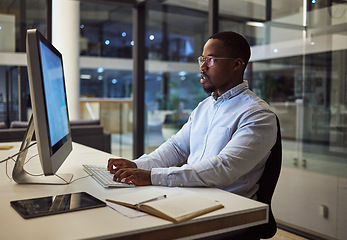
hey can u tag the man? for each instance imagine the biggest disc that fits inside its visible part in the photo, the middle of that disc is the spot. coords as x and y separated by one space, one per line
228 137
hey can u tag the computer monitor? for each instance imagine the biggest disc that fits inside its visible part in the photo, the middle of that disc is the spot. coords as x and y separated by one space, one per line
50 118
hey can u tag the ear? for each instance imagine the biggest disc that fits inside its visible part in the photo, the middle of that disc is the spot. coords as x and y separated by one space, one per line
238 64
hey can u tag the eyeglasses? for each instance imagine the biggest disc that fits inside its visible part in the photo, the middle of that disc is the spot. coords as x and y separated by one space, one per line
210 60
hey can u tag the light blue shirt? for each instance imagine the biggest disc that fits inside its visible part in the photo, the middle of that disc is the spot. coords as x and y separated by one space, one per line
225 143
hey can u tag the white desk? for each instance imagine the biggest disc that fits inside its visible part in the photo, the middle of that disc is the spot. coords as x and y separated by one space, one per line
238 212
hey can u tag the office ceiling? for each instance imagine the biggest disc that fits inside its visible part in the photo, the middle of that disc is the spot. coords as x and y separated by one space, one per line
243 10
254 9
228 7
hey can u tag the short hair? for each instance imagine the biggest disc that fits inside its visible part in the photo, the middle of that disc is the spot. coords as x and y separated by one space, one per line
236 45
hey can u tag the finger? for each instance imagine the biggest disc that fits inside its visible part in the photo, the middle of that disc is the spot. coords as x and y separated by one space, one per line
131 179
117 173
124 175
121 175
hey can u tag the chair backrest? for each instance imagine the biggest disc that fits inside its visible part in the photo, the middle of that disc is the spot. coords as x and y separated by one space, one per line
267 185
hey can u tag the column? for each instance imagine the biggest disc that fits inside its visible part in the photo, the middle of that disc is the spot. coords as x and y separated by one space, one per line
139 17
65 37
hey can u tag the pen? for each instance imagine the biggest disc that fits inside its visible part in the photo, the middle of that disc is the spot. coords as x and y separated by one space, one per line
150 200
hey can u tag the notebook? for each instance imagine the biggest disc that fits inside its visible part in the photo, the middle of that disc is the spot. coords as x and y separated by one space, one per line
175 206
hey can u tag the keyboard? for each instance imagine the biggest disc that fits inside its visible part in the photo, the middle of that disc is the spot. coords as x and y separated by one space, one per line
104 177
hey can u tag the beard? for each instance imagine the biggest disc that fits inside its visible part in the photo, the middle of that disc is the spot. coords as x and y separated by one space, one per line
209 89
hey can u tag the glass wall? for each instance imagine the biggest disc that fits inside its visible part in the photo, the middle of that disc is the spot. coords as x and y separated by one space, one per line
15 18
106 30
175 35
8 94
298 66
106 70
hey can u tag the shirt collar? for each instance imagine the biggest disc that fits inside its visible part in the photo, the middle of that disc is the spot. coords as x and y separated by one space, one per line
232 92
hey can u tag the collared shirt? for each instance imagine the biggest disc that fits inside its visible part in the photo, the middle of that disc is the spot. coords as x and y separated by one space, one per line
225 143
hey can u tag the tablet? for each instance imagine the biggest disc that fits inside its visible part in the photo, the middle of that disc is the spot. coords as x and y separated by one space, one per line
44 206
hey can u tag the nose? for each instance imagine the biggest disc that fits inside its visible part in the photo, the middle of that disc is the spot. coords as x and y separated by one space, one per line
203 66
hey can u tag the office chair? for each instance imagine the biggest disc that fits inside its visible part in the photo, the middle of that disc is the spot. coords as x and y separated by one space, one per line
267 184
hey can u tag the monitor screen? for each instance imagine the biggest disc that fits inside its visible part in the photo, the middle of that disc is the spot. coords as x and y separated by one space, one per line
56 107
50 118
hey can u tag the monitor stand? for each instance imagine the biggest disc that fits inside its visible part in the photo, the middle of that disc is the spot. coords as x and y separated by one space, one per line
19 175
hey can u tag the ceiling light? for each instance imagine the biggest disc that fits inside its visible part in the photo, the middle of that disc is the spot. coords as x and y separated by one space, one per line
86 76
255 24
182 73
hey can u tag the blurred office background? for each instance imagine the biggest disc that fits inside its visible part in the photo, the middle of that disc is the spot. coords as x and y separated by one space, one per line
298 66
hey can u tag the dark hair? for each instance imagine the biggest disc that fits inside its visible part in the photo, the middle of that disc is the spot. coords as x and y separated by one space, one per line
236 45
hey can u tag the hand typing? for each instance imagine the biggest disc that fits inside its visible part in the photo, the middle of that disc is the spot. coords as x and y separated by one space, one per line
126 171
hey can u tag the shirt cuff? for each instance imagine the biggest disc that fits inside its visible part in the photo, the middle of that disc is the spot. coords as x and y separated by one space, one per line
159 176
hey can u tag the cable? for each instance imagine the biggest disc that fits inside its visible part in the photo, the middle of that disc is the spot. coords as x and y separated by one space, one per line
66 182
11 157
8 176
31 158
35 175
80 178
72 181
